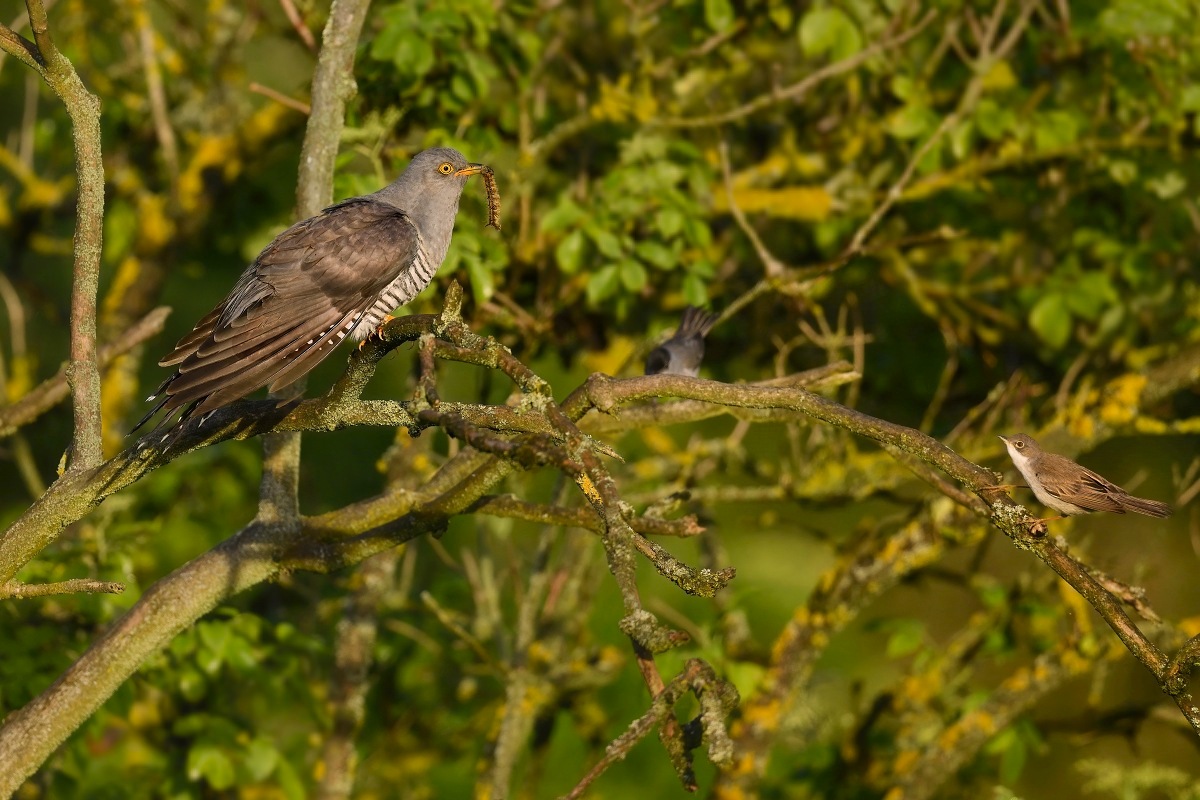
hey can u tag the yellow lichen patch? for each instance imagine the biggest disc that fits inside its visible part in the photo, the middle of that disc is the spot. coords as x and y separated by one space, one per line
217 153
921 688
589 489
1076 664
223 153
127 275
1019 681
145 714
660 442
1080 609
763 716
1150 425
611 359
1081 426
984 721
787 638
1121 397
807 203
615 102
263 124
538 654
116 389
905 760
155 228
20 377
35 191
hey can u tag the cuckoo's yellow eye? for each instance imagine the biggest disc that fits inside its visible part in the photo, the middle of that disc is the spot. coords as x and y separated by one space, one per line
446 168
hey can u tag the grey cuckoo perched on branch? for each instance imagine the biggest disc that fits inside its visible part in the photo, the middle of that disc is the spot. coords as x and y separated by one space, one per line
682 353
329 277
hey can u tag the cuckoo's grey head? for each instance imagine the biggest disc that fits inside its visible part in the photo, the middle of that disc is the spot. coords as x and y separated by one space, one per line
428 191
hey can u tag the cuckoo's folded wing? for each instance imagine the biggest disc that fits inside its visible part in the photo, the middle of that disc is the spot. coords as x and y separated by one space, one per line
302 295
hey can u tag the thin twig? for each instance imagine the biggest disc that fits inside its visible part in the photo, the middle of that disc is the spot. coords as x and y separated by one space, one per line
21 591
280 97
53 390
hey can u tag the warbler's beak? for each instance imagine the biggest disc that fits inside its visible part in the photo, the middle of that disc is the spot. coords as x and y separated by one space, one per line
471 169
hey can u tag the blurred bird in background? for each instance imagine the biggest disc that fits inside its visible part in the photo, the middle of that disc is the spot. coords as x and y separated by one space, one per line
683 352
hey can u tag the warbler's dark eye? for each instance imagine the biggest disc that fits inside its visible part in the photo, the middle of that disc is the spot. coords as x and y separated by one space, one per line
446 168
1020 445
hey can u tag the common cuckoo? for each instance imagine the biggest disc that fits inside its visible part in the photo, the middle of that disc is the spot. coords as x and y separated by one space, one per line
682 353
329 277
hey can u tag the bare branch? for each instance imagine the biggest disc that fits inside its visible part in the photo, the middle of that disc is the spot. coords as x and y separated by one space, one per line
53 390
799 89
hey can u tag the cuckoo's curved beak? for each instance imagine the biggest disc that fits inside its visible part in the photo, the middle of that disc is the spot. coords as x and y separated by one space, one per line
470 169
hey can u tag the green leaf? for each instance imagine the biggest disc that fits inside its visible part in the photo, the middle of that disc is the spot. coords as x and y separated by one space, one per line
781 15
192 685
413 56
669 221
1144 19
993 120
907 636
1055 130
120 227
206 760
1189 98
962 137
564 215
215 640
656 254
569 252
1050 319
1123 171
911 121
829 30
290 782
633 275
718 14
606 242
483 280
1090 295
260 758
1167 186
603 283
695 290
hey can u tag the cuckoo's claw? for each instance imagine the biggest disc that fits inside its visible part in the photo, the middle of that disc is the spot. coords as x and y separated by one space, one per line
377 334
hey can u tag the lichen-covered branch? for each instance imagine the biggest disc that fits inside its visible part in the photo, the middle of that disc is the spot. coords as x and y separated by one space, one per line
83 109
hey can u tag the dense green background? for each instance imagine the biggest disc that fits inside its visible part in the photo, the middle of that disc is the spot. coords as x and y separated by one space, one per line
1048 233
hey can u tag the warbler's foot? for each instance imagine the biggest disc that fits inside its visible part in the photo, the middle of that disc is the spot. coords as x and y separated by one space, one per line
377 333
1002 488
